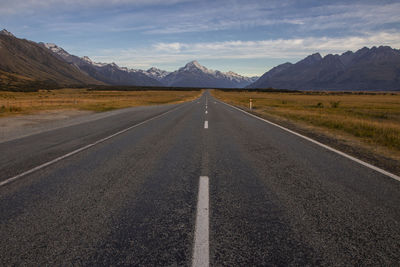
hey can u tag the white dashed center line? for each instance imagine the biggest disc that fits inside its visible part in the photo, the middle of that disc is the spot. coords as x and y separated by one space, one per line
206 125
201 255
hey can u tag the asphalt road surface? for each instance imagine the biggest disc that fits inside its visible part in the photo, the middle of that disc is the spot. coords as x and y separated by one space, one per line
199 183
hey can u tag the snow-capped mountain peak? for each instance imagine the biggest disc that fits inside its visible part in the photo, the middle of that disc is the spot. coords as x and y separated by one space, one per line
196 66
87 59
91 62
233 76
194 74
156 73
152 72
153 69
56 49
70 58
5 32
231 73
50 46
194 63
97 64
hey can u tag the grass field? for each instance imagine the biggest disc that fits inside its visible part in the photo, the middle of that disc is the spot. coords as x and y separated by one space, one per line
14 103
373 119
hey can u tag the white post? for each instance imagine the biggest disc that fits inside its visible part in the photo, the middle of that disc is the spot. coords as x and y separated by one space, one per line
251 103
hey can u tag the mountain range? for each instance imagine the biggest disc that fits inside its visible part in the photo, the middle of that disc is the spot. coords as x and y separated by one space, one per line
27 64
376 68
107 73
191 75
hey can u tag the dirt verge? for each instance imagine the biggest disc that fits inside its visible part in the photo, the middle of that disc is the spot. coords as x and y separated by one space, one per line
374 155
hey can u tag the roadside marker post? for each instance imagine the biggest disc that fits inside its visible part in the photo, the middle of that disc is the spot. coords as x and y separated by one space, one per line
251 104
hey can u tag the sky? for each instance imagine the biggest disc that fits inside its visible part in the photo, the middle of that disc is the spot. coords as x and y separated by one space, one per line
245 36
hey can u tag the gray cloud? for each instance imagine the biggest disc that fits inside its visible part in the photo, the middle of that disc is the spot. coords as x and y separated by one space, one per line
283 49
149 16
21 6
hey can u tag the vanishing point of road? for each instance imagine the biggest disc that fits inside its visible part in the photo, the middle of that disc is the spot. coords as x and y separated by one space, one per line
193 184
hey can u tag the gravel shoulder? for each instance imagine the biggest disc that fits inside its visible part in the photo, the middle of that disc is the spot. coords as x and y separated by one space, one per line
25 125
345 143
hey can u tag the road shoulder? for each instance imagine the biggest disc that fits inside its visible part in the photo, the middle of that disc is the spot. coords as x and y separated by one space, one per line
15 127
346 144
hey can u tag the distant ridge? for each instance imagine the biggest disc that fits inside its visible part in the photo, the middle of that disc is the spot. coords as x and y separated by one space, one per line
27 64
376 68
191 75
47 63
109 73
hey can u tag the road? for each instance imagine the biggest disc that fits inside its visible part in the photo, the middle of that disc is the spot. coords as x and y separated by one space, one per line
266 196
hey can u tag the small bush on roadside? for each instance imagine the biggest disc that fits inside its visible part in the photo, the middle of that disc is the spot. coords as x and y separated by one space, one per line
14 109
335 104
382 116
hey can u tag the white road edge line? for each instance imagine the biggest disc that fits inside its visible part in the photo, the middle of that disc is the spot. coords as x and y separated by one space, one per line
12 179
382 171
206 125
201 254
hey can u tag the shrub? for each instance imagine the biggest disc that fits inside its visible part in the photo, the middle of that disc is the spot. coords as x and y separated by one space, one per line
335 104
14 109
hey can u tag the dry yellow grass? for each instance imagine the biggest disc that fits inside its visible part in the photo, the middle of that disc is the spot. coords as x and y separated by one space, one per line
9 76
14 103
372 119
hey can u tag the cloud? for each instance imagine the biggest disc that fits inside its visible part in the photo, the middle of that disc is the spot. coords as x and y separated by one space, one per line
279 48
219 25
354 16
17 6
168 47
344 18
158 17
282 49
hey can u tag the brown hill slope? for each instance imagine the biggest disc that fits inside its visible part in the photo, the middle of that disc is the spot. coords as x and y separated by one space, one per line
36 64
